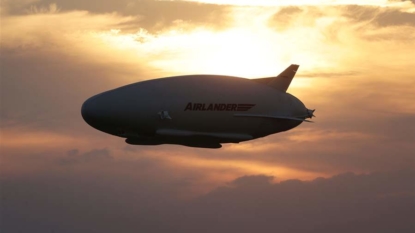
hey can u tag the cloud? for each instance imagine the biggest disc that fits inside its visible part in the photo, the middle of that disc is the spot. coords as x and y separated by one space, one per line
355 70
252 181
341 203
94 156
69 201
337 21
382 17
268 3
154 16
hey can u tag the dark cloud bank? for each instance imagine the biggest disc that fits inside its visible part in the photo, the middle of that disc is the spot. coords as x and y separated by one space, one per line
108 200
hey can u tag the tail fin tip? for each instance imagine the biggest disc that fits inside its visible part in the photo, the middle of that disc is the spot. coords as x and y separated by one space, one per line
283 80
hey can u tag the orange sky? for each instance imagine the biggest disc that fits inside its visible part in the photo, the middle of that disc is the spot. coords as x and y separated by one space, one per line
356 69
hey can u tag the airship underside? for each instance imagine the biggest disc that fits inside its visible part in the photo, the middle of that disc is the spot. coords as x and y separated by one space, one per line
197 110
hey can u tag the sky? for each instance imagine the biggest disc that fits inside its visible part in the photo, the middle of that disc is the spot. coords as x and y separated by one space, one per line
353 170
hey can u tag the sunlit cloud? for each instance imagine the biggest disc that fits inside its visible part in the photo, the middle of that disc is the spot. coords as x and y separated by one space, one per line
253 49
241 167
382 3
248 48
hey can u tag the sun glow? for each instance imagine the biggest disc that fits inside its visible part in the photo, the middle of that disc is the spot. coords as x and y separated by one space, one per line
259 47
236 51
238 167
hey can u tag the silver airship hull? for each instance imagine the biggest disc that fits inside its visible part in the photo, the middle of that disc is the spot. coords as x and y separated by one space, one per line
197 110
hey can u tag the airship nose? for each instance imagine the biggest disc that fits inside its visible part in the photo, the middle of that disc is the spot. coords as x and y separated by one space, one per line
90 112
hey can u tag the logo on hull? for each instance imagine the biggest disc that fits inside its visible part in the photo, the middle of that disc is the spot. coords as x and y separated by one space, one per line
218 107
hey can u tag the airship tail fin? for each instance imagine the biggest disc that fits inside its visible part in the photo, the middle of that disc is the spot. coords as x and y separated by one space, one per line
282 81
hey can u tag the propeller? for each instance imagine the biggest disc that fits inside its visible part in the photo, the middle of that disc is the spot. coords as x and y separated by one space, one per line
310 113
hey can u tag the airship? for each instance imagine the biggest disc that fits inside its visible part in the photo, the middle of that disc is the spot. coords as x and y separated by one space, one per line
203 111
